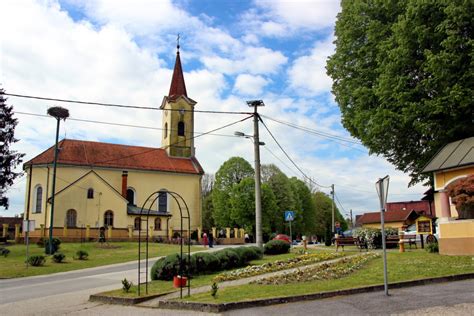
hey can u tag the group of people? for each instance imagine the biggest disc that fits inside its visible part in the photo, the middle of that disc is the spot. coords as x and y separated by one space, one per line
208 240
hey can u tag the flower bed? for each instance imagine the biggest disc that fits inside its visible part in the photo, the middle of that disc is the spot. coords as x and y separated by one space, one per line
325 271
276 266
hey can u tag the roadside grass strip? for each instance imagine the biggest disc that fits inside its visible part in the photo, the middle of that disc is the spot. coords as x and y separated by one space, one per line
324 271
277 265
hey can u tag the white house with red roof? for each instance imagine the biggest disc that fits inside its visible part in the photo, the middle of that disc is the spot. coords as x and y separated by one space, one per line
107 185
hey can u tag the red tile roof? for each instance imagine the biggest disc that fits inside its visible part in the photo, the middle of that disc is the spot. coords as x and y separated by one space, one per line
97 154
178 87
391 216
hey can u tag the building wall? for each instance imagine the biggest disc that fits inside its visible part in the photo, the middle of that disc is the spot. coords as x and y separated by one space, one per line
444 178
91 211
181 146
456 237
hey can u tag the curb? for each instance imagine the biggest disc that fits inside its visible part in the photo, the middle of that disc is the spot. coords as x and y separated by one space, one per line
123 300
217 308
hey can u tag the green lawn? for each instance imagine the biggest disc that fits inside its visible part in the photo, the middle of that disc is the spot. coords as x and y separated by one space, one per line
14 264
401 267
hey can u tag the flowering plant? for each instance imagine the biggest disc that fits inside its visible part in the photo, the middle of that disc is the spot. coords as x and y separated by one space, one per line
276 266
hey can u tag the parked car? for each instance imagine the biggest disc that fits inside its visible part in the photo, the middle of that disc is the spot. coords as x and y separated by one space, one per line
283 237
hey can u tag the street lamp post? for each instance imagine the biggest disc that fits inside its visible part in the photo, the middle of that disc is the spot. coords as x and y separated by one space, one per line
58 113
258 193
382 190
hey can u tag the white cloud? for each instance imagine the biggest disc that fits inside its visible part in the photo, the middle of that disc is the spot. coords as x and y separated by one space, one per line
254 60
308 14
309 72
249 85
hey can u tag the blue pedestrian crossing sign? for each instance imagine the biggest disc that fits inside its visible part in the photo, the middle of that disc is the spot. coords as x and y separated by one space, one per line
289 216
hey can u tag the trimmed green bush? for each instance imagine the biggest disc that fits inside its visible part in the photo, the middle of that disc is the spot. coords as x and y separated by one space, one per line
36 261
205 263
56 242
58 257
81 255
257 251
202 263
432 247
4 252
276 247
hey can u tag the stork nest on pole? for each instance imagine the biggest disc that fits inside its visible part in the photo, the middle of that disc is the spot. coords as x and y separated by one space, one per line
58 112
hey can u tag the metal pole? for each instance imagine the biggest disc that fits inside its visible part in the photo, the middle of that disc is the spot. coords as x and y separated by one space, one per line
291 237
332 192
53 189
258 200
352 223
28 214
384 247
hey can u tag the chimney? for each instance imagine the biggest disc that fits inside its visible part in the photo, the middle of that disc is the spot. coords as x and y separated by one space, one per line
124 183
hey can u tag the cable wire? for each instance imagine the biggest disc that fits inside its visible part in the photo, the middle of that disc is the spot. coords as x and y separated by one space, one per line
289 158
120 105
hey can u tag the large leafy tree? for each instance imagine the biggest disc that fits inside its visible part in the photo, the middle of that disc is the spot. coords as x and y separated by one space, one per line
306 216
9 158
231 173
403 76
323 214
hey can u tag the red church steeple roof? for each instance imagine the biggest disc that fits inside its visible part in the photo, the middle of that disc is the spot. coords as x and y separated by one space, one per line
178 87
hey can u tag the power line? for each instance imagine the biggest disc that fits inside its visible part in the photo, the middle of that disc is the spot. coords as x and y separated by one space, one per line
178 142
340 204
117 124
314 131
121 105
289 158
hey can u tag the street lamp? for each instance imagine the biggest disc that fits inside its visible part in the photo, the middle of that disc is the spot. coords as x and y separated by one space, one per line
256 146
382 190
60 114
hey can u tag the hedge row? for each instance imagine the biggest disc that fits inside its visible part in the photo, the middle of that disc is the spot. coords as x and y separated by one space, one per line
276 247
204 263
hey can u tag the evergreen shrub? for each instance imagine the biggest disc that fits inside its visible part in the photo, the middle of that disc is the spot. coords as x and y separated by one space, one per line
58 257
276 247
36 261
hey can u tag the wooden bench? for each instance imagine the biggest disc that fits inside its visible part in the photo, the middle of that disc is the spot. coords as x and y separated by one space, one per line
395 240
350 241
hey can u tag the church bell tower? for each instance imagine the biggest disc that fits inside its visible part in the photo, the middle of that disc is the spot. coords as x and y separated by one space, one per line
178 116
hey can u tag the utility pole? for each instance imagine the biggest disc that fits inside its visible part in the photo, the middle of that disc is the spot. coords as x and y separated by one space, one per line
332 192
352 223
258 194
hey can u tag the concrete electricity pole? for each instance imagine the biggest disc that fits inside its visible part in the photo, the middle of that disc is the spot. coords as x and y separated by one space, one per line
332 192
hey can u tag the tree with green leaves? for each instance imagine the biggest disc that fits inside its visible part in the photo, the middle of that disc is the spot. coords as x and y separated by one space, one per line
403 76
285 200
305 218
231 173
9 158
323 210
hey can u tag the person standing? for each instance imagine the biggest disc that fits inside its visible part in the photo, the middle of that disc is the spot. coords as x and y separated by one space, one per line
211 240
204 240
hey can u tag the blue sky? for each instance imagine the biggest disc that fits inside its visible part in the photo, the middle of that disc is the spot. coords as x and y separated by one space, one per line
232 51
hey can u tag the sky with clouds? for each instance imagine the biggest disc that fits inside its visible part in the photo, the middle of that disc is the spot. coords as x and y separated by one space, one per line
123 51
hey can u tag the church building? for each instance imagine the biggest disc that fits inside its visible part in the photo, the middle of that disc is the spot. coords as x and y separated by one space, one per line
103 185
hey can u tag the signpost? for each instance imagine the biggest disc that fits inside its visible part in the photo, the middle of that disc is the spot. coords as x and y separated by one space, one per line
382 190
289 217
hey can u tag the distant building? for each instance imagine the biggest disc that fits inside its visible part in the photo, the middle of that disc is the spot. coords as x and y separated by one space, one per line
421 207
106 185
9 225
399 219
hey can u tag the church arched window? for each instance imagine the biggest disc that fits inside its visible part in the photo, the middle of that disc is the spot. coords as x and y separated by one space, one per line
71 218
137 223
38 198
181 128
157 223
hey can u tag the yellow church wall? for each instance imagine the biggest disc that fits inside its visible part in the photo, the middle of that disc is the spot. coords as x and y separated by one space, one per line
91 211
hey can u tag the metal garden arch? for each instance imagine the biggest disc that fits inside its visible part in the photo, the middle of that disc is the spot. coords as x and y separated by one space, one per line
184 265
